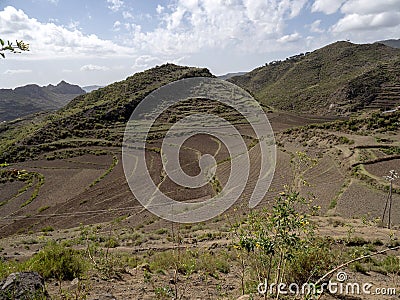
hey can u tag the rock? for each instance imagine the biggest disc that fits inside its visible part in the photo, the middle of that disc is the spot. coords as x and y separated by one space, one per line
75 281
131 271
23 286
244 297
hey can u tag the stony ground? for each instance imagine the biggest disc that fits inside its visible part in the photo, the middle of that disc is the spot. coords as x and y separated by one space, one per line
90 191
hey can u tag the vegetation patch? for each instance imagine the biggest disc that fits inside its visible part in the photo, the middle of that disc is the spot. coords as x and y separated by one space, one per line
108 171
10 175
53 261
40 181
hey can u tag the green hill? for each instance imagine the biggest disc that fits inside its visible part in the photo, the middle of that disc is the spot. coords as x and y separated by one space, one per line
29 99
94 119
338 79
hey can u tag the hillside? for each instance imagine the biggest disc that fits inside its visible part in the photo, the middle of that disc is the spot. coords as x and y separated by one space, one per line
29 99
66 205
97 118
338 79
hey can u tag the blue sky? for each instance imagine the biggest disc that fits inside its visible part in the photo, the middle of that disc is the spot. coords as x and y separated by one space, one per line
102 41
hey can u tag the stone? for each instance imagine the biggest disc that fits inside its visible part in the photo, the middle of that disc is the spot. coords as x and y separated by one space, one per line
23 286
75 281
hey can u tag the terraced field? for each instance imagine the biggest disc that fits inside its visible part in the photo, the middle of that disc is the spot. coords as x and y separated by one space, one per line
362 200
87 184
71 177
389 96
382 168
325 181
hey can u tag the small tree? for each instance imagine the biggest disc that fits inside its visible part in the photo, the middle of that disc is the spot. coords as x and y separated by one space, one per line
8 46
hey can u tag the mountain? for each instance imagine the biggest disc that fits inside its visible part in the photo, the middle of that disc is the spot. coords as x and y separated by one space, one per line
94 119
25 100
91 88
230 75
338 79
391 43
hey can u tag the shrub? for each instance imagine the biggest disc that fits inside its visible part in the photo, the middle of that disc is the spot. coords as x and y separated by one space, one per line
43 208
311 262
112 243
47 229
59 262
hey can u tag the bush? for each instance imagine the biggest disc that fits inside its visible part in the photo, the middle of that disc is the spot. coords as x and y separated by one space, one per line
187 262
311 263
59 262
112 243
47 229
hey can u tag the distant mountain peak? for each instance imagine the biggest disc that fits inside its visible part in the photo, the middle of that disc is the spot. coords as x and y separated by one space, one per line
91 88
33 98
66 88
391 43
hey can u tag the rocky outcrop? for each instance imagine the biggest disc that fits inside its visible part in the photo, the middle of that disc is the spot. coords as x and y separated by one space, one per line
23 286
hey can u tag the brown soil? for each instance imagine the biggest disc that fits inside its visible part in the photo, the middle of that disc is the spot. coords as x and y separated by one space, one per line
73 199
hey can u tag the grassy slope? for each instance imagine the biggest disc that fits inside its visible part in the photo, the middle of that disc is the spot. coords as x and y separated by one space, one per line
335 74
96 118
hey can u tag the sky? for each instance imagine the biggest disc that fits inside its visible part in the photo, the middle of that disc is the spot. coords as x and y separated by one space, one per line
97 42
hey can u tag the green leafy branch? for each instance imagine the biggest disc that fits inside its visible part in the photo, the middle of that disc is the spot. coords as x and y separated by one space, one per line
13 48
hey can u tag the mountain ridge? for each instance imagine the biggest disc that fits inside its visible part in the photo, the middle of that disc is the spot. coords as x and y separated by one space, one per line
32 98
391 43
96 118
338 79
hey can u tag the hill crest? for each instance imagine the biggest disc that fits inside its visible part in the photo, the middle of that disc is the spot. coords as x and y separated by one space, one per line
340 78
96 118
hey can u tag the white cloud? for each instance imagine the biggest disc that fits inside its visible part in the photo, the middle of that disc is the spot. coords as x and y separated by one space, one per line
290 38
327 6
12 72
189 26
367 22
115 5
160 9
51 40
296 7
117 26
90 68
147 61
73 25
363 7
366 15
316 27
127 15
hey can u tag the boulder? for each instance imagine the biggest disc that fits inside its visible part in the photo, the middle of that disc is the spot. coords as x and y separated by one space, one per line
23 286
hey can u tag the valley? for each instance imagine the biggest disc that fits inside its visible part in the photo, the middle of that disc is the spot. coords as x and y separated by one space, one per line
63 191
